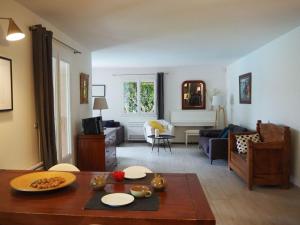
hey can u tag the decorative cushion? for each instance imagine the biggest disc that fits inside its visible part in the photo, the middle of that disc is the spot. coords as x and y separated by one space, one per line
108 123
157 125
242 141
224 133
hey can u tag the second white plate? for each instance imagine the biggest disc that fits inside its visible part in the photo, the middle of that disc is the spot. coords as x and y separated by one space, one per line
117 199
134 175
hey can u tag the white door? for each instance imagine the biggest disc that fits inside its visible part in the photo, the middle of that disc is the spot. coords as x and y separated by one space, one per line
62 101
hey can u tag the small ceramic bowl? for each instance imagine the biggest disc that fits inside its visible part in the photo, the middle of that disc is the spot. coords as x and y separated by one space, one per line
98 182
140 191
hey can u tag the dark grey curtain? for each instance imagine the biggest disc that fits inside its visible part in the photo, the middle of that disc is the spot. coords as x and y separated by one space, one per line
43 88
160 95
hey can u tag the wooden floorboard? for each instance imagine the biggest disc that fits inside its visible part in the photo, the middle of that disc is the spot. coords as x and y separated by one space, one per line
229 198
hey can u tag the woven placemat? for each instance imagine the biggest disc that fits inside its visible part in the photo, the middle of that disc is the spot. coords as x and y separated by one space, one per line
139 204
145 180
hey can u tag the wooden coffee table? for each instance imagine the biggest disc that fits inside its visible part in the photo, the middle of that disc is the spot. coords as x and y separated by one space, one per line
182 203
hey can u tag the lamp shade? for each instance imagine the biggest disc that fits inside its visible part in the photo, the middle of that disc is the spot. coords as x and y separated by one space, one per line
14 33
217 100
100 103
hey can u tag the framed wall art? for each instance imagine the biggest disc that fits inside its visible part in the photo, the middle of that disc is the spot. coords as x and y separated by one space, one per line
6 87
245 87
193 94
98 90
84 88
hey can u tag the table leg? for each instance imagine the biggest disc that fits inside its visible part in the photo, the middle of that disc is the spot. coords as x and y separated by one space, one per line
153 143
186 140
158 143
169 145
164 142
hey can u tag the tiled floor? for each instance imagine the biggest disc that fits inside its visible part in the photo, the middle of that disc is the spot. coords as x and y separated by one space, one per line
227 194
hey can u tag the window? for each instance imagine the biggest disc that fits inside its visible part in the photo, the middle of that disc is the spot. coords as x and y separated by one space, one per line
62 113
130 97
139 97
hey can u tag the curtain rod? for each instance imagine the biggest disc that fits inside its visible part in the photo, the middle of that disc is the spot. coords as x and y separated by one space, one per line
75 51
132 74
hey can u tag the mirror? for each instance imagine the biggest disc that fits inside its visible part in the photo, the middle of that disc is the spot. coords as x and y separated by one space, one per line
193 94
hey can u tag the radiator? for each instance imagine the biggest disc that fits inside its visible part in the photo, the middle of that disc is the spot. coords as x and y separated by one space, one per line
135 131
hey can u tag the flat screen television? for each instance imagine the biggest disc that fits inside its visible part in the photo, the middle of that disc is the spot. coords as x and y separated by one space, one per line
92 125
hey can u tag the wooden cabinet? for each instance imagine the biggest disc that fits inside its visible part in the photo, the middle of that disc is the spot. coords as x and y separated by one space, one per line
97 152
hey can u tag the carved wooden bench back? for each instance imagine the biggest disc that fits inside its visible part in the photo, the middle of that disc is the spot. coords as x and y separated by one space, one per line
270 132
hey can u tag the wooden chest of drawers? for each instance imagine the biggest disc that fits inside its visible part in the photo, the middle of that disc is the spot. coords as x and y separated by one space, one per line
97 152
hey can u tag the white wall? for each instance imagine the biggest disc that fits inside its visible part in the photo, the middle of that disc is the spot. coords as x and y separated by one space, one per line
18 138
213 76
275 89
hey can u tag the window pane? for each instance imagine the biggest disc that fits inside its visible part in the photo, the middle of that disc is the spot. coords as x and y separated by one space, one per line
130 97
65 126
147 97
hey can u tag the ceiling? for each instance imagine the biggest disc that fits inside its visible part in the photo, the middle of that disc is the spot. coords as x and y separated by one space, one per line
139 33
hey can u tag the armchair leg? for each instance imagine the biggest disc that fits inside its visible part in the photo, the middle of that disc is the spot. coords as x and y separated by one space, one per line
211 161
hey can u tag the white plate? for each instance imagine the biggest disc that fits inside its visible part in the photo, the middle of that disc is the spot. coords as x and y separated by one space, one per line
117 199
137 169
134 175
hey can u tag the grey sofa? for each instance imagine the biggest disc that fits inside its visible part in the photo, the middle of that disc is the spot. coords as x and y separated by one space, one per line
214 142
119 132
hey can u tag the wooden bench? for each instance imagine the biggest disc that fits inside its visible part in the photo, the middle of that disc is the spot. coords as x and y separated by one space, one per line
267 162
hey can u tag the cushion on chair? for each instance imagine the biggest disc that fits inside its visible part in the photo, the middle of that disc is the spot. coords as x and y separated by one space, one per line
157 125
242 141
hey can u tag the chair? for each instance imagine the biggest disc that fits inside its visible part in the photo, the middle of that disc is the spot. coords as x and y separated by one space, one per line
149 130
214 142
266 162
64 167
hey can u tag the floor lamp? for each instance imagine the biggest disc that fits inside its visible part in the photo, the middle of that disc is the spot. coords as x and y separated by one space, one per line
100 103
218 102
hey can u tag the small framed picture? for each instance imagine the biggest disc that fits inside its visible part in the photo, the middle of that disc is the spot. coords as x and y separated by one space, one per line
98 90
84 88
245 88
6 86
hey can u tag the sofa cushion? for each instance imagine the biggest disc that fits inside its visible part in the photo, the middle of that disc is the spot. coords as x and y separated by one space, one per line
236 129
111 123
242 141
224 133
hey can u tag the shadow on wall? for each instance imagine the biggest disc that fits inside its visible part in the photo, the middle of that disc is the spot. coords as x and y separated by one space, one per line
3 41
6 116
295 152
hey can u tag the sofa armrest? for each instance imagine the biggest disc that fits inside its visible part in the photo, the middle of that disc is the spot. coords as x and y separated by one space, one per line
214 133
218 147
265 145
218 143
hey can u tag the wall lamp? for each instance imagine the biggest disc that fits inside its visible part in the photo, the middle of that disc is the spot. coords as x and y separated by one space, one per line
14 33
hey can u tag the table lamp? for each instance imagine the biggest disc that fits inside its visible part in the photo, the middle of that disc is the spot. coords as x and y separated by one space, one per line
218 101
100 103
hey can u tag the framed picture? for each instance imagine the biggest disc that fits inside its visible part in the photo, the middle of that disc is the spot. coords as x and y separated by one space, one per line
245 88
98 90
193 94
84 88
6 89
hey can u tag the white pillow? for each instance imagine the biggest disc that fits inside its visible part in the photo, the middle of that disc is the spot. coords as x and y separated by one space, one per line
242 140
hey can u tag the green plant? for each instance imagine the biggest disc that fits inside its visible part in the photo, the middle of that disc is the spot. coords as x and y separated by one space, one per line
130 97
147 96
